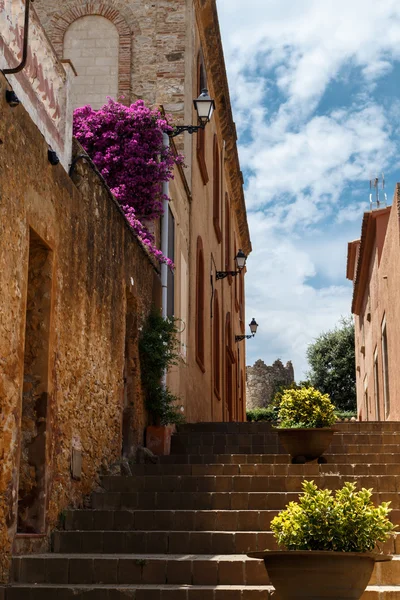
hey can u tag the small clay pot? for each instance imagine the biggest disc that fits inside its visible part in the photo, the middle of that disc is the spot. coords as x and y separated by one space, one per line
308 443
315 575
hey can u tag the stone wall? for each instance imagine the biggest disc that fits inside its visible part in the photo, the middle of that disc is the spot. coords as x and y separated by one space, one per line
152 42
75 287
263 381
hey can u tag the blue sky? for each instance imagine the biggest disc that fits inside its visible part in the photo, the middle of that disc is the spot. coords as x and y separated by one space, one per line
315 89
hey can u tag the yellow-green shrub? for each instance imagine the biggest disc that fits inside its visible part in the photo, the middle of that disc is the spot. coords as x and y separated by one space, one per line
306 407
346 522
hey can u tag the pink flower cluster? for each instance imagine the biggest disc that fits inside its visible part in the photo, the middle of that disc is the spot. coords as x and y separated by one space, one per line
126 145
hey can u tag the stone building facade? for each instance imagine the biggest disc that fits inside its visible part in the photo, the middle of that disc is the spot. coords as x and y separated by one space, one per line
168 50
263 381
75 284
74 288
373 266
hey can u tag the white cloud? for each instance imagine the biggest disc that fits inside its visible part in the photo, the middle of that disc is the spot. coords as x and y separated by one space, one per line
304 166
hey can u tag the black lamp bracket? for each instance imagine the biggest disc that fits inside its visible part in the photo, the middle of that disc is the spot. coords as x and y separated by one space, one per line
178 129
240 338
223 274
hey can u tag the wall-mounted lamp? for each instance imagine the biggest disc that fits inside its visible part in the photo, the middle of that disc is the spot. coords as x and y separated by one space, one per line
240 260
253 328
12 98
205 107
52 156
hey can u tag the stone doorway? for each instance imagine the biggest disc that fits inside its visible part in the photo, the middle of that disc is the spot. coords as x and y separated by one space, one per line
34 417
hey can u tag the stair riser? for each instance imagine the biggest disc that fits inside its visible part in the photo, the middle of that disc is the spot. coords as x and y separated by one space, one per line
164 542
307 470
272 459
210 500
271 439
189 520
245 483
374 449
264 426
150 593
162 571
141 571
159 593
186 520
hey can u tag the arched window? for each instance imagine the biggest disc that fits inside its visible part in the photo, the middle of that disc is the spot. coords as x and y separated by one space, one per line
229 371
217 348
241 299
92 44
200 304
227 237
237 280
217 189
200 138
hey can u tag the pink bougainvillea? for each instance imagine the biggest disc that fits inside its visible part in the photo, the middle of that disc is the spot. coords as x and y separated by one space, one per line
126 145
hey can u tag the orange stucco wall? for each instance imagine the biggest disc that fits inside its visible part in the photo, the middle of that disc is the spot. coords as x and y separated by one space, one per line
379 302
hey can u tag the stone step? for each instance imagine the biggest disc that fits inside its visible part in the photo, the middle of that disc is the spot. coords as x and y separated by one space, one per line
245 483
170 542
165 592
189 569
141 592
262 458
142 568
278 449
262 426
210 500
187 440
307 470
175 520
163 542
207 459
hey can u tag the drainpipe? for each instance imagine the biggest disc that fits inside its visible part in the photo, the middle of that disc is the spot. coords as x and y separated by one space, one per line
164 250
164 239
25 48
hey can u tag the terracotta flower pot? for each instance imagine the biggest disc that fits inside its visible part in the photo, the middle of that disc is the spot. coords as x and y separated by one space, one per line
158 439
309 443
314 575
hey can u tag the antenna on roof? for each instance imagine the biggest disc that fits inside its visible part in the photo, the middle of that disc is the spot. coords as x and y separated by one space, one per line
377 199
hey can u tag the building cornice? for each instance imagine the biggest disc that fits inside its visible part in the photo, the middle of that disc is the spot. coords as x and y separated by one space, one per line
210 38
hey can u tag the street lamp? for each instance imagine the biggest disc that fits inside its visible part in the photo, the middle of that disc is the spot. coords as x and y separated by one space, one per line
253 328
205 107
240 261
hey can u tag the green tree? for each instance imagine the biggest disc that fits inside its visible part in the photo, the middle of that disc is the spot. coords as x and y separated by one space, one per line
332 361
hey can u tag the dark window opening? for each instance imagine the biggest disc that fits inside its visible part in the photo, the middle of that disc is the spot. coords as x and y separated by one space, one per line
200 304
171 275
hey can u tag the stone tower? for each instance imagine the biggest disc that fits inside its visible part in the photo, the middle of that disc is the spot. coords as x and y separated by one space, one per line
263 381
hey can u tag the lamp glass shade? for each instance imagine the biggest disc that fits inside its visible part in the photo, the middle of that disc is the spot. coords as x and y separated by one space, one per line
253 326
204 106
240 259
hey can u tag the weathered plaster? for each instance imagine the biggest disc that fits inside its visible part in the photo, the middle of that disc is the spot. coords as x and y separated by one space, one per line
97 265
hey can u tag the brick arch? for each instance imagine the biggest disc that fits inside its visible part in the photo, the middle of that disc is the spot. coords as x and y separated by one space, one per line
77 10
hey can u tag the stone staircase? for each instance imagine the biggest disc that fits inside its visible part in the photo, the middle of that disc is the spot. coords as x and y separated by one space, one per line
180 530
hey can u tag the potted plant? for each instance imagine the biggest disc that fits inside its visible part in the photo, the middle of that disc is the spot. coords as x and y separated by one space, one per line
158 350
304 423
330 542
